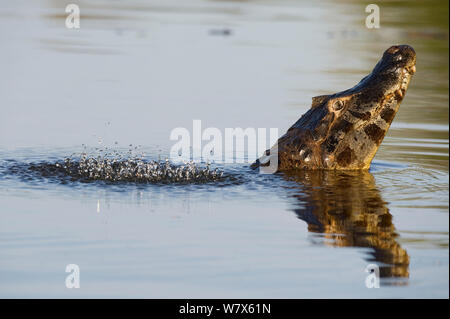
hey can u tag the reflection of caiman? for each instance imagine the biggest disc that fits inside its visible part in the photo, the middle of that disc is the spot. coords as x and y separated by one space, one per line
347 208
344 130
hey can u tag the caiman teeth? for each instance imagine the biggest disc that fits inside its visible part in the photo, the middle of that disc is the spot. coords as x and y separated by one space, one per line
411 70
407 73
399 93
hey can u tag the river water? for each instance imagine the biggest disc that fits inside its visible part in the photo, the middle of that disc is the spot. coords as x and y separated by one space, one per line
136 70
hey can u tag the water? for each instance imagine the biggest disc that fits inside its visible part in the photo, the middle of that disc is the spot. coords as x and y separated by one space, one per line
136 70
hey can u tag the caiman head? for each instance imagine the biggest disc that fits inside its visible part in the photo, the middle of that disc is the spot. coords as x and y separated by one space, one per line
344 130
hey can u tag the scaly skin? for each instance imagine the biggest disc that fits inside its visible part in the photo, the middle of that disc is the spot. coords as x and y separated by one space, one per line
343 131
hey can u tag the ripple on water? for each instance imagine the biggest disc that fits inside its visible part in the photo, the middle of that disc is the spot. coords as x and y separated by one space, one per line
114 169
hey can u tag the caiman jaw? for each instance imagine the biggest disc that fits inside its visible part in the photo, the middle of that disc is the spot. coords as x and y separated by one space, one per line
406 77
370 109
343 131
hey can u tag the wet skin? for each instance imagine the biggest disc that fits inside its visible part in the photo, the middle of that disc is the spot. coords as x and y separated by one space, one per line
343 131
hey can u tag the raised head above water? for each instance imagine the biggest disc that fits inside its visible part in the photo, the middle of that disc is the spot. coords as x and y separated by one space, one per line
344 130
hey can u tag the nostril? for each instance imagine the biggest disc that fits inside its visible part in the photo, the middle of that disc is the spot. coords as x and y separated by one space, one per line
394 49
407 50
404 50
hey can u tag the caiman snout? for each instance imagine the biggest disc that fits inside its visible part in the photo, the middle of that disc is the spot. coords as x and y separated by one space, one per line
404 55
394 70
344 130
406 51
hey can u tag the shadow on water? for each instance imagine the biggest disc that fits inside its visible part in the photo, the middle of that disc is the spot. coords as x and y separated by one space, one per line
347 210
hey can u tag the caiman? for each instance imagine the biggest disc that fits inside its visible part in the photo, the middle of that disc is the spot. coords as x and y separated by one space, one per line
343 131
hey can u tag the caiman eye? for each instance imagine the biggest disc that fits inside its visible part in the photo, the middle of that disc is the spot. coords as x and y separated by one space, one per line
338 105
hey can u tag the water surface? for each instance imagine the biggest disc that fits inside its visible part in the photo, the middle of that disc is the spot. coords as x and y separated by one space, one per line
135 70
